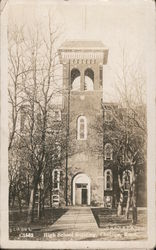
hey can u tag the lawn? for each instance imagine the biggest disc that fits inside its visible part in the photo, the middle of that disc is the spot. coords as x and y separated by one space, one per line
110 227
18 221
118 228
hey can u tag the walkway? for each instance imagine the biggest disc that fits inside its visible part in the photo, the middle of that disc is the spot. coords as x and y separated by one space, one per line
79 218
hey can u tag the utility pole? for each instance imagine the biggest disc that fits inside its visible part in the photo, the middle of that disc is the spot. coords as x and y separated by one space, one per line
68 129
84 18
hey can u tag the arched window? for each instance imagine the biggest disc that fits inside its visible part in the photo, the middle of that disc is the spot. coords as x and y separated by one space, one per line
101 73
81 128
55 199
126 179
57 150
42 180
75 79
56 179
108 115
108 180
57 115
108 152
89 79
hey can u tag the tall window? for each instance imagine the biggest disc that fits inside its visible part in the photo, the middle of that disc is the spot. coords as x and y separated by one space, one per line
126 179
57 115
101 73
42 181
55 199
108 115
89 79
75 79
56 179
82 128
108 152
24 118
57 150
108 180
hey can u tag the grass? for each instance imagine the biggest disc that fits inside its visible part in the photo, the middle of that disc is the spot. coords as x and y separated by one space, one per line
110 227
18 221
107 217
118 228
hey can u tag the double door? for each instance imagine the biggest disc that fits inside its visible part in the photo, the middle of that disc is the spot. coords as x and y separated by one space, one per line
81 195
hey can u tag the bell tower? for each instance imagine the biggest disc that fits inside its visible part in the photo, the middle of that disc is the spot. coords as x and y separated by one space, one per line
82 94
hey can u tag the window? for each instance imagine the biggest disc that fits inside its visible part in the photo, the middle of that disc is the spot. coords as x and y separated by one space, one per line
24 118
101 73
108 152
55 199
42 181
56 179
57 115
79 185
55 132
75 79
23 115
82 128
57 150
89 79
108 115
126 179
108 180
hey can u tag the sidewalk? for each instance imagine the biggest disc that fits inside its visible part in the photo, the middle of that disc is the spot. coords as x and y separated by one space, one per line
75 219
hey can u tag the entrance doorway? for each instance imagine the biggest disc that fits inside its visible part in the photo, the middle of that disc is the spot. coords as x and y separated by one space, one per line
84 196
81 190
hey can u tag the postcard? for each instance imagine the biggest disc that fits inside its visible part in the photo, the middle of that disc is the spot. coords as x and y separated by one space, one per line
78 124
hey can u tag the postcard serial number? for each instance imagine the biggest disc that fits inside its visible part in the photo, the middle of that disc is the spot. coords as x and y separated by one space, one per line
26 235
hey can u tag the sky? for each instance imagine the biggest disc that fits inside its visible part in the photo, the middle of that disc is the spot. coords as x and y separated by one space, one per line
119 24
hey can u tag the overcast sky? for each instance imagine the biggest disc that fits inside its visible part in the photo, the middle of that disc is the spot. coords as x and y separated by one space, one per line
118 24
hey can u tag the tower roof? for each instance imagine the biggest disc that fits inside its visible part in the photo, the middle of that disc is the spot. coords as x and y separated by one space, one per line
83 45
81 50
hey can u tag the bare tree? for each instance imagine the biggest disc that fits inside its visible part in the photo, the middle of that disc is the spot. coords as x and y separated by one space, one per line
126 132
44 89
15 52
16 78
130 83
34 85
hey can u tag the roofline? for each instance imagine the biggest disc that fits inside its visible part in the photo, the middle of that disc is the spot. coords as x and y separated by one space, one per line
65 49
101 47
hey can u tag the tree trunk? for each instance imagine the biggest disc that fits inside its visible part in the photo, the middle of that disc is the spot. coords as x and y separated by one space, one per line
10 194
134 207
50 198
134 215
120 205
43 212
134 198
32 203
31 207
39 203
13 200
19 202
50 189
128 205
13 196
28 194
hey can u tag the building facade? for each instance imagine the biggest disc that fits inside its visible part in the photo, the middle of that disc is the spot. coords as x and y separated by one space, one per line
82 95
90 165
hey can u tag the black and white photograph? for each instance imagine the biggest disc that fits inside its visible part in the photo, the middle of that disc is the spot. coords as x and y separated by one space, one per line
78 124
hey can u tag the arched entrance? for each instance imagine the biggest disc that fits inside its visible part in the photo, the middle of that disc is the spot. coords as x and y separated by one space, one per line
81 189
